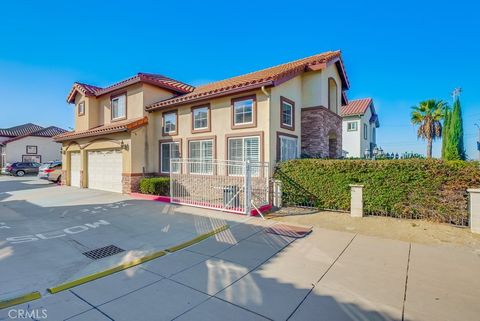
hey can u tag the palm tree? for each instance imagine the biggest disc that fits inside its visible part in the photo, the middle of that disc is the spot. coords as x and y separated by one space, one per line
428 115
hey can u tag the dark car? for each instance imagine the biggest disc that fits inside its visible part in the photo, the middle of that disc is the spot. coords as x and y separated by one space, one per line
23 168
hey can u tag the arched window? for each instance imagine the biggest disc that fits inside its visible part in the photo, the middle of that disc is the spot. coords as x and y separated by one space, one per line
332 144
332 95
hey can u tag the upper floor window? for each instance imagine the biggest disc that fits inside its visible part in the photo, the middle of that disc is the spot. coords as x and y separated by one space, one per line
170 123
287 113
244 112
365 131
119 107
81 108
332 95
200 119
352 126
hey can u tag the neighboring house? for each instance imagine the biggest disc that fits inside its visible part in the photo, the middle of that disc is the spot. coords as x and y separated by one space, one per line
359 129
133 128
29 143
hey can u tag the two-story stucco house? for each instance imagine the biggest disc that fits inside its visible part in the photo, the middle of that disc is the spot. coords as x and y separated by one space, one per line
133 128
359 128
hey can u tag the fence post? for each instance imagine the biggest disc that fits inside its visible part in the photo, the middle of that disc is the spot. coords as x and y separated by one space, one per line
277 193
248 188
474 209
356 201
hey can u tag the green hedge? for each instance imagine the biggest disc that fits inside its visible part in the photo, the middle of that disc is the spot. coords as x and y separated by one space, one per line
155 186
413 188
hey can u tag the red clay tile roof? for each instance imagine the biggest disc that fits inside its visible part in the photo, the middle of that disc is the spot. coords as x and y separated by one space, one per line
117 127
19 130
356 107
267 77
42 132
155 80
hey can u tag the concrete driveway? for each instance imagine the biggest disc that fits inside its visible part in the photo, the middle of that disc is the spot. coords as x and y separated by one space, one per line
245 273
45 228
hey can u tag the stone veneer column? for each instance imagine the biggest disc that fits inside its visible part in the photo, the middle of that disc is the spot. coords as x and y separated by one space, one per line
317 123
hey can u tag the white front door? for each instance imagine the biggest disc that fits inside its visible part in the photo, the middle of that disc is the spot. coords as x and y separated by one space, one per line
105 170
75 169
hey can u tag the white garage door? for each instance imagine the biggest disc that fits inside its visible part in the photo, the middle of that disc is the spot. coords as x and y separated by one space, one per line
75 169
105 170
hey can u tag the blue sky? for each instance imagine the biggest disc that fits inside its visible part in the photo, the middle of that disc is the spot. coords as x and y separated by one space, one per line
399 53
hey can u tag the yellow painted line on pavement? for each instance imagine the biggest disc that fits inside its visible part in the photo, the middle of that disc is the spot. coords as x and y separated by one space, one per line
20 299
121 267
197 239
98 275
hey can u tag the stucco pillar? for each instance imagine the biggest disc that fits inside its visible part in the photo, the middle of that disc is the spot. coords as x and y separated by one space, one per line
83 168
356 201
277 193
474 209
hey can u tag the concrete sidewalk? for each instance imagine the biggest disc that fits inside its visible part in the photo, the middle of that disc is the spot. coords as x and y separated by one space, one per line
247 274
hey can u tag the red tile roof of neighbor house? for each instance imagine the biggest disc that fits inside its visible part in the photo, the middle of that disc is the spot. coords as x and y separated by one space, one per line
356 107
272 76
116 127
42 132
152 79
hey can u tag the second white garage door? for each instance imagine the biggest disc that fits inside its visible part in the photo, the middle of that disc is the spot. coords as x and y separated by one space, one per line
105 170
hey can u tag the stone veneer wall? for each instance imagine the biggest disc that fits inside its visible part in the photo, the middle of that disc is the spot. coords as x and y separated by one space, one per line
131 182
317 123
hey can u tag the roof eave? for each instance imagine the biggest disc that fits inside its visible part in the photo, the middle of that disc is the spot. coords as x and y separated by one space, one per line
153 108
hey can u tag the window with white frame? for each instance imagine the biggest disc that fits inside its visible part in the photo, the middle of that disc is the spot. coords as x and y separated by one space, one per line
365 131
170 123
242 149
201 155
288 148
168 151
81 108
243 111
119 107
352 126
287 113
200 118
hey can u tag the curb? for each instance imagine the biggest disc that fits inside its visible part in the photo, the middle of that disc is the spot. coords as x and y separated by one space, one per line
124 266
98 275
20 299
197 239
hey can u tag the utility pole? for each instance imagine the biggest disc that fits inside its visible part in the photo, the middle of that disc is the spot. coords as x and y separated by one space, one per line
478 141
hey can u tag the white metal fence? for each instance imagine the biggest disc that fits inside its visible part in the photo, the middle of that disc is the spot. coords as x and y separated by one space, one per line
232 186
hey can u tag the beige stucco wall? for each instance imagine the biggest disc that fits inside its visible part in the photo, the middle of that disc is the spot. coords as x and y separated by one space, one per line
315 86
221 115
291 90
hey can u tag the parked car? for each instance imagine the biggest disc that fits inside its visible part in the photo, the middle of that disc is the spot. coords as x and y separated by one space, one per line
54 172
23 168
46 168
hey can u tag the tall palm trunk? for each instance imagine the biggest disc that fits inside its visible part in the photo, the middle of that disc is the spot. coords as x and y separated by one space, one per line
429 147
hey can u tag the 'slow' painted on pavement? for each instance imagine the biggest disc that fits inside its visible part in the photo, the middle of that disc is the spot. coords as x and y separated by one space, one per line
56 234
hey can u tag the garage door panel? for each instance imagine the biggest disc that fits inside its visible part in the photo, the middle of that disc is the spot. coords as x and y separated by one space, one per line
75 169
105 170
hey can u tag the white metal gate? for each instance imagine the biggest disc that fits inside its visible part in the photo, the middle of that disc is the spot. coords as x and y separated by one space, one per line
232 186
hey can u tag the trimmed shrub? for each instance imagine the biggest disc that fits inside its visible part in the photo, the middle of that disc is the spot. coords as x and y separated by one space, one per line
409 188
155 186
